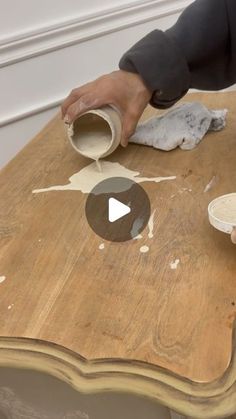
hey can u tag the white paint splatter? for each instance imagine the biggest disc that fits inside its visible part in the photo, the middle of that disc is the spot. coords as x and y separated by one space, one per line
151 225
174 265
88 177
182 190
2 279
210 185
10 306
138 237
144 249
101 246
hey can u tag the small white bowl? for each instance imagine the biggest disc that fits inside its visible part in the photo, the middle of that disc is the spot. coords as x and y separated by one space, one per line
220 216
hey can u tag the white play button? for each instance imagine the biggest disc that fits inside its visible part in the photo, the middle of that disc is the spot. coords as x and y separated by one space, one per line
117 210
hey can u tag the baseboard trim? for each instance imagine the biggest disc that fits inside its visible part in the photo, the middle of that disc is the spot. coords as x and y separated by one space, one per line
64 34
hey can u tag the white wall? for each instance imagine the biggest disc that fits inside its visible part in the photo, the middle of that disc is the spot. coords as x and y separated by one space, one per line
51 46
30 15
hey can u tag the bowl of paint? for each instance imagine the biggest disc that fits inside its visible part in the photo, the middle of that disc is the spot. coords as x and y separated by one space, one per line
222 213
96 133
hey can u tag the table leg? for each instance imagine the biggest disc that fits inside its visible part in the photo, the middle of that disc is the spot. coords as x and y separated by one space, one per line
175 415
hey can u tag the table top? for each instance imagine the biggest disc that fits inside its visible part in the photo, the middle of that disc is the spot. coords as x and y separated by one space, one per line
119 303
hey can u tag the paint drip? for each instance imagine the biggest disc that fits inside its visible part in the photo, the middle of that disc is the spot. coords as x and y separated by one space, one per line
174 265
151 225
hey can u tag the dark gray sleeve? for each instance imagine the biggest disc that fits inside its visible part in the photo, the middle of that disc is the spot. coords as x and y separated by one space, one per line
199 51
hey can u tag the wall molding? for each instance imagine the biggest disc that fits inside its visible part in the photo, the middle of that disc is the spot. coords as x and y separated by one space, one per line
31 111
54 37
67 33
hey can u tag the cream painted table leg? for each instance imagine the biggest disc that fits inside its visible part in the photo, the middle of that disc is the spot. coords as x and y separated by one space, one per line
177 416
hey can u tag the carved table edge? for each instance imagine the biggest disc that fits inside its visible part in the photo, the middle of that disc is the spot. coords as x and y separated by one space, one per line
202 400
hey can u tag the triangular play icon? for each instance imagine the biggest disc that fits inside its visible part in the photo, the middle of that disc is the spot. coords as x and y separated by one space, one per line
117 210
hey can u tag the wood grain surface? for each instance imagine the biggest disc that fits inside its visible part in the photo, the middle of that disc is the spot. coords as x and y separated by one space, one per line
119 303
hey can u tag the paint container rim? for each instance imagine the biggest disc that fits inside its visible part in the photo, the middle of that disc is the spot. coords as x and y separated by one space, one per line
105 113
221 225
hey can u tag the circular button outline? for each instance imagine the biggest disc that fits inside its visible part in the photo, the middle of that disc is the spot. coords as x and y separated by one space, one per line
127 192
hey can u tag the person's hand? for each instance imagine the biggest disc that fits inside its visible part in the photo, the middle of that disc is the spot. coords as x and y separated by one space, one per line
125 90
233 236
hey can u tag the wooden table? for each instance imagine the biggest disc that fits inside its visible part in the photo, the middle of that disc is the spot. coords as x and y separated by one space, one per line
117 319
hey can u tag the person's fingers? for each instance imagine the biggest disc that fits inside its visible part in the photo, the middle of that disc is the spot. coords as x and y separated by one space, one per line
233 236
128 128
87 88
130 120
74 95
125 91
85 103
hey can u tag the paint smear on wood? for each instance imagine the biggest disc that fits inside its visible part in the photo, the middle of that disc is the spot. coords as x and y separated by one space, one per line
151 225
211 184
2 279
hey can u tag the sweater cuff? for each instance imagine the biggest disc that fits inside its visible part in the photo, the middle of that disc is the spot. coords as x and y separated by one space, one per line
163 68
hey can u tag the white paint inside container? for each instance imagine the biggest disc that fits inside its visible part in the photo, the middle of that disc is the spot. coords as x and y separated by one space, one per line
91 135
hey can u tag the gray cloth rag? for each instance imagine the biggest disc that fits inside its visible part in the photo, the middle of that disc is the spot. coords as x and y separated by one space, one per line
183 126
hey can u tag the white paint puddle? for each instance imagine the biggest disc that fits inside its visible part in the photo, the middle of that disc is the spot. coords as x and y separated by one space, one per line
2 279
88 177
174 265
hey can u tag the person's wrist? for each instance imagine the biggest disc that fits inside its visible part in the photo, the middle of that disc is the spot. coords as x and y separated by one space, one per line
138 84
142 89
